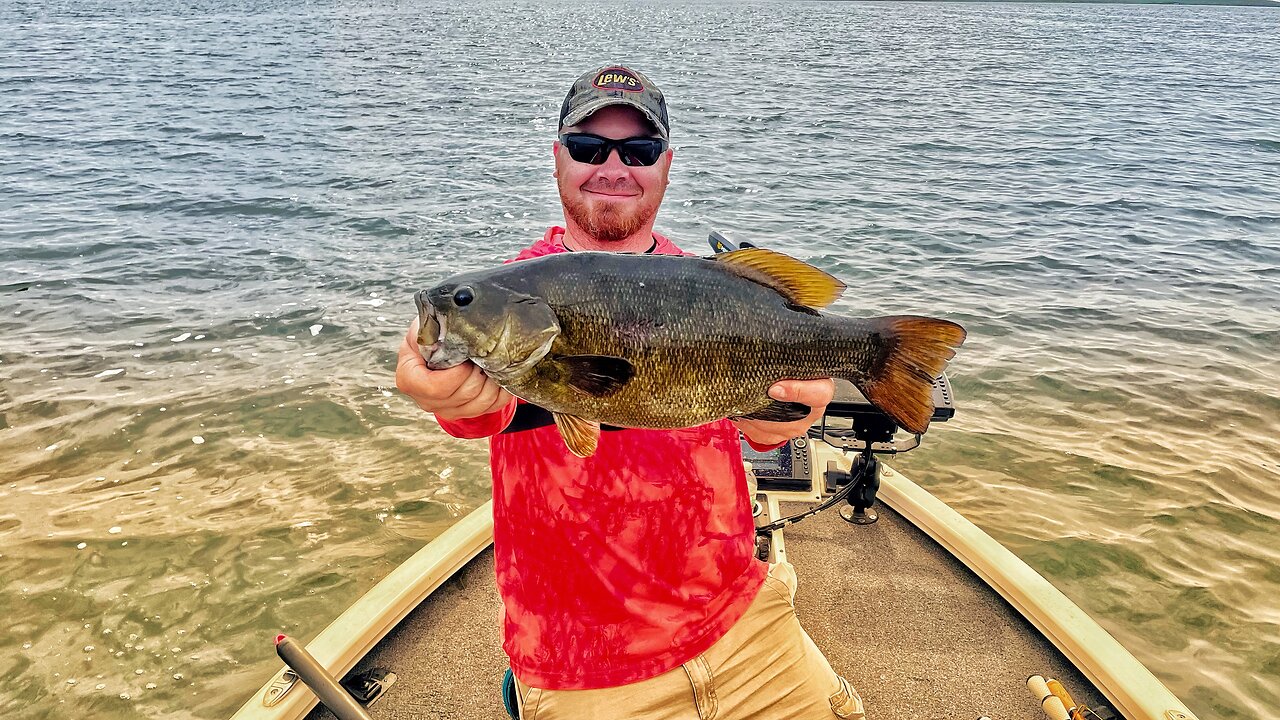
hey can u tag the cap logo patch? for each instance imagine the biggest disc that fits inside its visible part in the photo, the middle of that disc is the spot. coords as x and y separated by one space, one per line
617 79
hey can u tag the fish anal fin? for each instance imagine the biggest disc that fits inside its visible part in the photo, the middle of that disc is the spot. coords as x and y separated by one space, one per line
780 411
580 436
596 375
918 349
797 281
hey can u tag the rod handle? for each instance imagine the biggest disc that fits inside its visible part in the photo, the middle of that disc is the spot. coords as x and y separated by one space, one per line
1056 688
1049 703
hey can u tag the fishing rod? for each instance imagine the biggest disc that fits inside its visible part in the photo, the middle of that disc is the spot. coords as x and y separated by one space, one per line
1057 703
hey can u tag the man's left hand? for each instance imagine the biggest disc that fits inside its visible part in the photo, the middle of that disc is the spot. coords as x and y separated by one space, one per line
817 394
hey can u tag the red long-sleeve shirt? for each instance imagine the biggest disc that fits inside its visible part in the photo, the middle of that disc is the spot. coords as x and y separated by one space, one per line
617 567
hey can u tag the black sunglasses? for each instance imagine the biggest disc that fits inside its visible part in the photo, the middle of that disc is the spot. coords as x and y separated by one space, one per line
594 150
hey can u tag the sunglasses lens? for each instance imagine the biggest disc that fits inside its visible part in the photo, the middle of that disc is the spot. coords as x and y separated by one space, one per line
594 150
586 148
640 152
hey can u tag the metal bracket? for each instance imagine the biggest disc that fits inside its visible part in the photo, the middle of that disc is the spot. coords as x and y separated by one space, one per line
282 683
856 445
365 687
369 685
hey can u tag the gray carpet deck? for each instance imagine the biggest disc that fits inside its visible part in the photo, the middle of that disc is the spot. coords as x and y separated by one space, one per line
918 634
912 628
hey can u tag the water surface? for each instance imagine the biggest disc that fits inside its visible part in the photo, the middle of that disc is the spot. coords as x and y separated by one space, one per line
212 218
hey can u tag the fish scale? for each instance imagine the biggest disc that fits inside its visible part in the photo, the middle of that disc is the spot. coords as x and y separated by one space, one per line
712 344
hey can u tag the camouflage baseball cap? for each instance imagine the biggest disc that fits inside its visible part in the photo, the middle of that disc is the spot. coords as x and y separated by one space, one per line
615 85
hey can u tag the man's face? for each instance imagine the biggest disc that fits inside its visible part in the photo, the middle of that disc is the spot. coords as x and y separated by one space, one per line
611 201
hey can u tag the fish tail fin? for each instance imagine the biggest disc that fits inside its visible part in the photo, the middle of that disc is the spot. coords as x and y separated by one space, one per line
915 351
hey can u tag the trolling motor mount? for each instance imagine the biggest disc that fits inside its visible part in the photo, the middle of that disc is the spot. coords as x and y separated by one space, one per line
852 423
864 475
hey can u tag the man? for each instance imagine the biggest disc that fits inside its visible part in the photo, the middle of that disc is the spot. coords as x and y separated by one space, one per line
629 583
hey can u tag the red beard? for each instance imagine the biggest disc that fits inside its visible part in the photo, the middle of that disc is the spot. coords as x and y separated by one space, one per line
607 222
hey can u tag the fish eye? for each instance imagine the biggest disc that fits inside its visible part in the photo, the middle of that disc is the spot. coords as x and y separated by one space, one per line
463 296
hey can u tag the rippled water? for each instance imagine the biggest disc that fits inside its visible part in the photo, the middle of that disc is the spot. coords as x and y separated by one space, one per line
211 220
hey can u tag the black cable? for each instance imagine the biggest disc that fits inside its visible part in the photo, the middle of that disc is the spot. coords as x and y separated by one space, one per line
867 467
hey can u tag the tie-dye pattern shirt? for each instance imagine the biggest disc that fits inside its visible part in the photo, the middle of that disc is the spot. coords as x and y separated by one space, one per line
624 565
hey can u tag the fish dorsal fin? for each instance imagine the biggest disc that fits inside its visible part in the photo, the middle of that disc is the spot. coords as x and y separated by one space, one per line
595 375
580 436
797 281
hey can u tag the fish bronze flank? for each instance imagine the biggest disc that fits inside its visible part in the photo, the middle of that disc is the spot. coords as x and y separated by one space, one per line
664 341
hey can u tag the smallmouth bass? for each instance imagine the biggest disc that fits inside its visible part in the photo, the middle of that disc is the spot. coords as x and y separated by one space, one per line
668 341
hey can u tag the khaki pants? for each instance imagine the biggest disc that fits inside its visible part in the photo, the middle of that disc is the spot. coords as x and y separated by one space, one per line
765 667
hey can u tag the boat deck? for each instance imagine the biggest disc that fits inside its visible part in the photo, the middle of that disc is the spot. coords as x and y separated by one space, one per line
915 631
912 628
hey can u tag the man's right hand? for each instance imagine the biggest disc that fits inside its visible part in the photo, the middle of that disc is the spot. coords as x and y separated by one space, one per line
463 391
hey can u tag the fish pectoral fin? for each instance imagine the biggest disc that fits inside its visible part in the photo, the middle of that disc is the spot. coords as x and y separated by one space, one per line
797 281
779 411
580 436
596 375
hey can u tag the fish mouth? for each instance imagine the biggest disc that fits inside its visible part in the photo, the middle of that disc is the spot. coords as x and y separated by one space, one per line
434 343
430 325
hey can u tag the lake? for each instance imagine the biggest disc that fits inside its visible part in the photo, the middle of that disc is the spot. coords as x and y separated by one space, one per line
212 219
